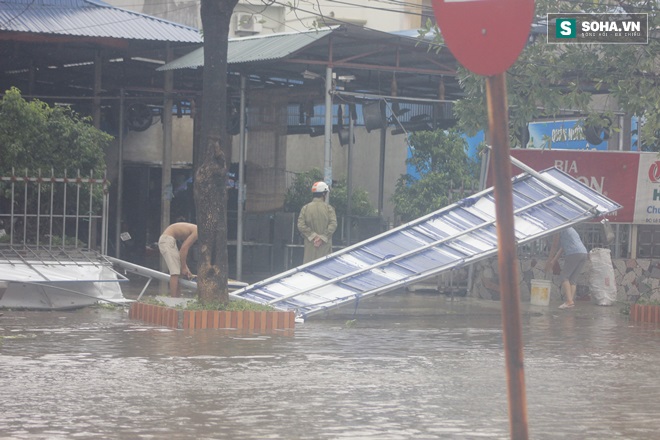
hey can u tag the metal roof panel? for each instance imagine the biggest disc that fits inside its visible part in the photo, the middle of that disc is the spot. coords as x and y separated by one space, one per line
256 48
449 238
89 18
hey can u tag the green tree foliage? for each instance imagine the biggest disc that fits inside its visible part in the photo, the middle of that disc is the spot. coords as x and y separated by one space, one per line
36 138
300 194
34 135
555 80
440 158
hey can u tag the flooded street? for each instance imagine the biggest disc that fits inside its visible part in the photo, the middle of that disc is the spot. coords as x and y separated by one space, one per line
411 366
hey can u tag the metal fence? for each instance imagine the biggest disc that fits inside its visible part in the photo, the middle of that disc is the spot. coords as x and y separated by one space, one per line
54 211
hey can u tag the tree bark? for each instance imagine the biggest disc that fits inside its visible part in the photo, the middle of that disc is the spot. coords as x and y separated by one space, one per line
210 188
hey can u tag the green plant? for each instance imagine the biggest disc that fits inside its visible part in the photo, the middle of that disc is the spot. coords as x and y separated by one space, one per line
42 141
237 305
109 306
152 301
360 204
625 309
647 302
68 241
34 135
299 194
446 174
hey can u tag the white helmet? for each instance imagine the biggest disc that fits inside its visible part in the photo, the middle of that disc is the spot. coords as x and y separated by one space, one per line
320 187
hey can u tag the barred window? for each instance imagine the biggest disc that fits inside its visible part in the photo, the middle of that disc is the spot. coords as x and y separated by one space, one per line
592 236
648 241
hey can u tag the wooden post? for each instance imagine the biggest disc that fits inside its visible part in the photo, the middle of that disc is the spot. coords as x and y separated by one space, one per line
507 256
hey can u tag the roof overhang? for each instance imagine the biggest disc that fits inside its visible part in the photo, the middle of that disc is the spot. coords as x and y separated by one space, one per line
376 62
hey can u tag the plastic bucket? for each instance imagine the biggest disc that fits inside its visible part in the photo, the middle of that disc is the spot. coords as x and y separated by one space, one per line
540 292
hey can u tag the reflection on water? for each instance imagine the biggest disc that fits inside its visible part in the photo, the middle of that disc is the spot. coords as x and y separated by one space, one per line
412 366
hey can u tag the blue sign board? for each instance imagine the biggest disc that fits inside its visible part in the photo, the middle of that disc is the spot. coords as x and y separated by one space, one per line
560 135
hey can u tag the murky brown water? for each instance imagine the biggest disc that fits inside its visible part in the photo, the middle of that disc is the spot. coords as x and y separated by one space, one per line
413 366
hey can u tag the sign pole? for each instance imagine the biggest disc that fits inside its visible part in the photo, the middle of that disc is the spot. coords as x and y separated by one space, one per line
507 256
486 37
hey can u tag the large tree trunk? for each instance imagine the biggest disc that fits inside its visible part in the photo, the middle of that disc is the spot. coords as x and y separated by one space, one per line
211 174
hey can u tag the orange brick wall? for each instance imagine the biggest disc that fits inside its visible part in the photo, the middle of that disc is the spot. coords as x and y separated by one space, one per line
645 313
201 319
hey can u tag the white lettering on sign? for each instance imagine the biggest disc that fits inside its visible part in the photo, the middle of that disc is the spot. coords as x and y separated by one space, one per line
600 26
567 166
567 134
610 26
632 26
593 182
566 28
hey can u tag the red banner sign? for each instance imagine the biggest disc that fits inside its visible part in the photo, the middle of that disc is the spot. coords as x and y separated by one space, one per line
611 173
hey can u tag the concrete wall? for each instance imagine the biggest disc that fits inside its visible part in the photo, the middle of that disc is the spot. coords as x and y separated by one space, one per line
179 11
146 147
303 153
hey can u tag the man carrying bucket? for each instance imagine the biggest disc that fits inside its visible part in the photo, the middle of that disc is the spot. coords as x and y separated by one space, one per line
568 243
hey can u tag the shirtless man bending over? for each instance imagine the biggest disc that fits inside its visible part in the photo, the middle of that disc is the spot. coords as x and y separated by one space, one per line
176 259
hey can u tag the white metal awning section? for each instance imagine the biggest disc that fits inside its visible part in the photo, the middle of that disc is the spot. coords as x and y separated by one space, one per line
24 264
449 238
53 278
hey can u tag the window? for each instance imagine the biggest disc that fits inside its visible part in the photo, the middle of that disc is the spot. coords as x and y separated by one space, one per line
592 236
648 241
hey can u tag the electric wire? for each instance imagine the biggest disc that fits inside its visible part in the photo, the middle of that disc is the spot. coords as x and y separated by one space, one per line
296 7
3 25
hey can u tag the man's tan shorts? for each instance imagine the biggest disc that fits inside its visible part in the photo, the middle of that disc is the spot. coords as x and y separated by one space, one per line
170 253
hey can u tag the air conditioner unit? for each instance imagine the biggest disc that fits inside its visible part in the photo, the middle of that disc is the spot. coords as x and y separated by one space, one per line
248 23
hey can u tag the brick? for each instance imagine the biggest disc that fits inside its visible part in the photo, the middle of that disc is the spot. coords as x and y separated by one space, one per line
250 320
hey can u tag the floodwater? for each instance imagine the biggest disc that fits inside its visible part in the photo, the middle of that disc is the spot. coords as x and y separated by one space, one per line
407 366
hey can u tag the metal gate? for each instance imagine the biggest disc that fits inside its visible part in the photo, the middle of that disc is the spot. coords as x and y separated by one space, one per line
49 211
53 240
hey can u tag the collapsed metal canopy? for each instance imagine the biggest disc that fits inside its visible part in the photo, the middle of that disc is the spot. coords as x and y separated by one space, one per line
54 278
23 264
449 238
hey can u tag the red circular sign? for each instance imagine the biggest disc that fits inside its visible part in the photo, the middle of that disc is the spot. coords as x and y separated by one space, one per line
485 36
654 172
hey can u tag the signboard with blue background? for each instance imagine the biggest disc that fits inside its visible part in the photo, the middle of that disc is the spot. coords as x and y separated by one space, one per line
562 135
567 135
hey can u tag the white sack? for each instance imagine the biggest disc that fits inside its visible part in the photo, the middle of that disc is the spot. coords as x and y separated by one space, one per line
602 284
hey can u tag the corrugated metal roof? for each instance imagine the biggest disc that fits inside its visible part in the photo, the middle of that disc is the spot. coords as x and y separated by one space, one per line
257 48
451 237
89 18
